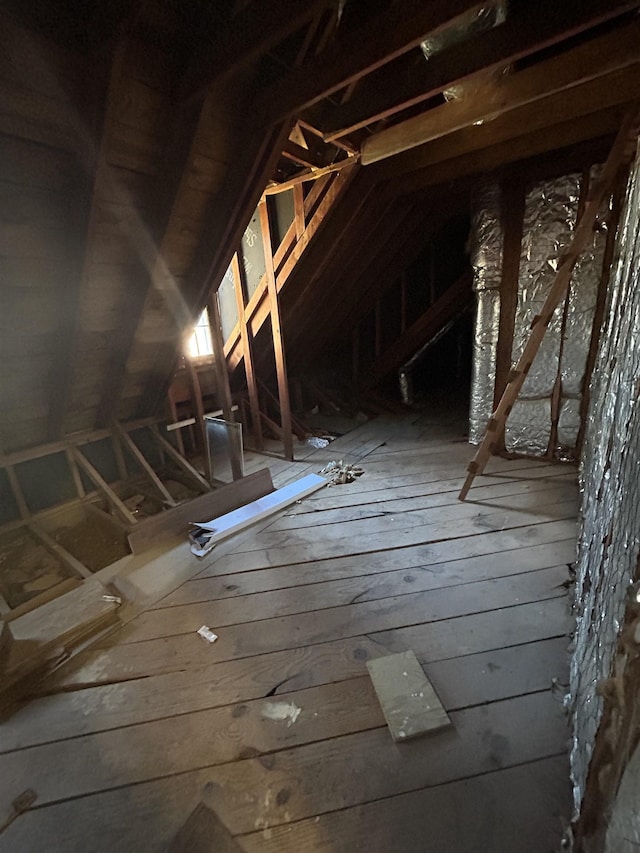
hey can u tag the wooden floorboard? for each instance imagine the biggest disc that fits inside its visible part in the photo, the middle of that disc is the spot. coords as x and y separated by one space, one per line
123 743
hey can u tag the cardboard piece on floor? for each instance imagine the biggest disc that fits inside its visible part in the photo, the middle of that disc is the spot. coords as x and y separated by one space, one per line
410 704
204 832
177 521
255 511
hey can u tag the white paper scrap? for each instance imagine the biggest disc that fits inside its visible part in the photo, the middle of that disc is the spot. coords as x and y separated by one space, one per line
207 634
281 711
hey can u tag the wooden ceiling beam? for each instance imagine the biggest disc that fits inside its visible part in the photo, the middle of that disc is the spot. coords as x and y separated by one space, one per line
561 74
356 51
526 31
598 127
545 115
251 34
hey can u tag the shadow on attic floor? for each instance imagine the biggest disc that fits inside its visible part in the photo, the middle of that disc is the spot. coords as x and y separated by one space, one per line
135 734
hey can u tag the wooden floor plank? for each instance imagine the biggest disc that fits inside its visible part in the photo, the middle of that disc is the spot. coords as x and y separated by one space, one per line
537 795
350 578
314 597
295 547
297 783
356 617
449 637
461 682
338 497
484 496
408 556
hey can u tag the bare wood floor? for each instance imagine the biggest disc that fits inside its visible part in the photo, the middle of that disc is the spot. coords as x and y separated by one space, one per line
133 735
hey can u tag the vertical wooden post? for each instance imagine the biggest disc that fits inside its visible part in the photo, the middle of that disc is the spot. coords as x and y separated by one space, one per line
247 351
222 377
276 331
199 409
298 207
222 374
512 216
23 509
174 417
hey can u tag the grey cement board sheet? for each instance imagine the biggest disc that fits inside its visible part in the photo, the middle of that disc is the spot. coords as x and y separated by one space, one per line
410 704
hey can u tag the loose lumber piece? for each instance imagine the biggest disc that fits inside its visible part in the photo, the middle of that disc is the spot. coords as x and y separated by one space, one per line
204 832
239 519
409 703
47 634
622 150
175 522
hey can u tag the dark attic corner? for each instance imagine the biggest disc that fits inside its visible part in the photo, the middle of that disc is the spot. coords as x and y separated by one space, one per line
319 431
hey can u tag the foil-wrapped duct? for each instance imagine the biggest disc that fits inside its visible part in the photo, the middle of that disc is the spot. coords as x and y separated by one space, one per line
485 248
609 539
549 219
477 20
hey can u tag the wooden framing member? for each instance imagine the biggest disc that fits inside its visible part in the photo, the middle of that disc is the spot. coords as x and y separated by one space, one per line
177 457
199 407
595 59
75 473
140 458
298 208
276 332
526 31
222 375
16 489
512 216
621 152
311 175
102 486
51 545
246 340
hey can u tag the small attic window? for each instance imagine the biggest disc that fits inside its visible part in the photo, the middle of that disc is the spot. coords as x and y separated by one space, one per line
200 341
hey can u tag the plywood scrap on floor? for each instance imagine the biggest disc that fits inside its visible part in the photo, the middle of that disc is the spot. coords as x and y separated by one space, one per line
409 703
41 638
204 832
239 519
176 521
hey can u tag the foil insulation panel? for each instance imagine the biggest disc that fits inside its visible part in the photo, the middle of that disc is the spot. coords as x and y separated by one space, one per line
609 539
485 245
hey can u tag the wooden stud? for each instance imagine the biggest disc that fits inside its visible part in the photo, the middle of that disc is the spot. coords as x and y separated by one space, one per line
75 473
247 351
186 466
298 207
140 458
199 409
276 332
104 487
222 376
311 175
56 548
23 509
622 151
512 216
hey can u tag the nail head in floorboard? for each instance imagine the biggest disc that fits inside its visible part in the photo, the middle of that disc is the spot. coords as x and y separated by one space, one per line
410 704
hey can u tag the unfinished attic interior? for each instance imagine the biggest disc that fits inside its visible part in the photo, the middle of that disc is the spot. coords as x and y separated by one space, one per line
320 431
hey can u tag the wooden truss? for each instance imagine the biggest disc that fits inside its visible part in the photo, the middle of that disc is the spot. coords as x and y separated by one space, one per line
622 151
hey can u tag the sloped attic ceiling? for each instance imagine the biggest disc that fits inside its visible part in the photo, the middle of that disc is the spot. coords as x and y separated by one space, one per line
137 137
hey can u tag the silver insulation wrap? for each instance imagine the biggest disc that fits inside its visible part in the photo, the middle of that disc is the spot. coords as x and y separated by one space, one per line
550 215
609 540
485 246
